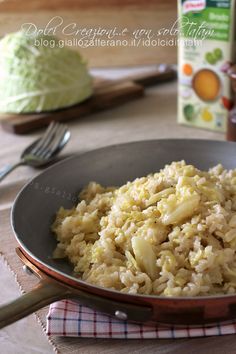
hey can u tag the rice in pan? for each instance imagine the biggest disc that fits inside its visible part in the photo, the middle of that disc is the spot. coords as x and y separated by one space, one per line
171 233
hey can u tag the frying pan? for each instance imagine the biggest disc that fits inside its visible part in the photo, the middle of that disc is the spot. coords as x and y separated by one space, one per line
35 207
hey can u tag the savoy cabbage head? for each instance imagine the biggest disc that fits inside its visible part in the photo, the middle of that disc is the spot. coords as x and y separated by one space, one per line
37 78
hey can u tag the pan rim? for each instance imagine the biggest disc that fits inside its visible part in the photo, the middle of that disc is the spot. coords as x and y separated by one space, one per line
92 287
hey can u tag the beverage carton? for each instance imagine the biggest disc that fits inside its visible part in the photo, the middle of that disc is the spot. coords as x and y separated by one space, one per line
206 42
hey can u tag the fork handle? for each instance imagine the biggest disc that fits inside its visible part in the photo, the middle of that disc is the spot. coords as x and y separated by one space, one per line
7 169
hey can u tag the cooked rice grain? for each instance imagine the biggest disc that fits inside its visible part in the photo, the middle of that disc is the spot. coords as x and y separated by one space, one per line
172 233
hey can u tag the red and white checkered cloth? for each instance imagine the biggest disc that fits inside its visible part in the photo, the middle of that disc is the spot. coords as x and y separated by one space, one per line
70 319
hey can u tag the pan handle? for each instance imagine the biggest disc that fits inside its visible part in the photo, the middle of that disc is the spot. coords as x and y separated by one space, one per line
44 293
48 290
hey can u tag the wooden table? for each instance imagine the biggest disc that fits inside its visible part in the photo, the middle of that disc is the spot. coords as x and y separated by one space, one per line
149 118
95 14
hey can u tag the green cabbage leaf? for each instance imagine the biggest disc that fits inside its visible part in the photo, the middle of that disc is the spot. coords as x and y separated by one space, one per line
38 78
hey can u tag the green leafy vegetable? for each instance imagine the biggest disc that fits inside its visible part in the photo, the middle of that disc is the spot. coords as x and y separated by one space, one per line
36 78
189 112
214 57
218 53
210 58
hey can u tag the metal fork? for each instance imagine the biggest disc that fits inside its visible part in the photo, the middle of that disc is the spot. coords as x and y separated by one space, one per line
43 150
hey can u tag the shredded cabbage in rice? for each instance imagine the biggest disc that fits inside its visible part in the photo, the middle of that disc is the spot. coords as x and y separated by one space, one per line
171 233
